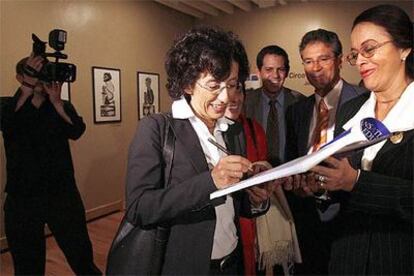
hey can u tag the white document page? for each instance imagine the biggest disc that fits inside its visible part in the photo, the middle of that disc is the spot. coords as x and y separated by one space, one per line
369 132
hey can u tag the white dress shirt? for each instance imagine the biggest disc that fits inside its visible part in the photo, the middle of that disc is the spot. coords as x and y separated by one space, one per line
225 234
331 101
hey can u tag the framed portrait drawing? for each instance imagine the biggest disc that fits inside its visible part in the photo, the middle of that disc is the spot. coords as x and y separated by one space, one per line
65 94
106 94
148 93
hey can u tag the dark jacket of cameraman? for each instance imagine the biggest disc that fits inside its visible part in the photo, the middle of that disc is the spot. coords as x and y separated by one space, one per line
41 187
37 148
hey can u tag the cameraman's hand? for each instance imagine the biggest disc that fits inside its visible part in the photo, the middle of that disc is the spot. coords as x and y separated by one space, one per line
33 66
28 79
54 89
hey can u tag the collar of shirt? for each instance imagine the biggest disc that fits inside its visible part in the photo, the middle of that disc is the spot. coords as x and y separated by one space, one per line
332 98
181 109
279 99
264 102
399 118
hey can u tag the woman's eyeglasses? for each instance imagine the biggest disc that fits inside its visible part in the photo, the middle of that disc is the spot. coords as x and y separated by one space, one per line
216 88
367 51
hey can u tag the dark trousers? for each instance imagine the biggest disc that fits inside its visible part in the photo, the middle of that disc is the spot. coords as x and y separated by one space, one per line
314 236
315 247
25 219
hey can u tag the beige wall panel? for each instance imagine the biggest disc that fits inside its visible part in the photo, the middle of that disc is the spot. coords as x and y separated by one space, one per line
285 26
129 35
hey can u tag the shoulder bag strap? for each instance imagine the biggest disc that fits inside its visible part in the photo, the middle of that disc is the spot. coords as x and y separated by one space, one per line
168 153
168 148
163 231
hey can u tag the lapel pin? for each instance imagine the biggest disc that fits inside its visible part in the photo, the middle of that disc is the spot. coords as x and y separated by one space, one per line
397 137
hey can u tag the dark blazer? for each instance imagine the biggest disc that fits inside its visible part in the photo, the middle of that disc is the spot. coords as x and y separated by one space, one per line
185 204
299 116
34 166
312 234
254 98
375 224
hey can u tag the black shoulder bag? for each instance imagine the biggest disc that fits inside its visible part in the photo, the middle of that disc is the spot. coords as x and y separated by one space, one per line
137 251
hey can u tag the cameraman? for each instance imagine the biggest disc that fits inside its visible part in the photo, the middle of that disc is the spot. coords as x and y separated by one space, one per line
41 188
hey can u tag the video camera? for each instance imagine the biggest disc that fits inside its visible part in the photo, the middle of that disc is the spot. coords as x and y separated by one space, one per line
54 71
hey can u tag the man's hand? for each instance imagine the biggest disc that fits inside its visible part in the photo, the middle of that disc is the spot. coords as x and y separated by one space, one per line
229 170
54 89
29 79
303 185
33 66
260 193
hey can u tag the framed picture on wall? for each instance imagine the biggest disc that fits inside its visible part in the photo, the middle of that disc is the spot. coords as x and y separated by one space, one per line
148 93
106 94
65 94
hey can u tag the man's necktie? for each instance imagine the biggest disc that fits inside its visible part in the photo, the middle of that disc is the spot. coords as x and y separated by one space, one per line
319 138
320 134
272 134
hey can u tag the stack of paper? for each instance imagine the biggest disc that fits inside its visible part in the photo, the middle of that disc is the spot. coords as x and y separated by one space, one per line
369 132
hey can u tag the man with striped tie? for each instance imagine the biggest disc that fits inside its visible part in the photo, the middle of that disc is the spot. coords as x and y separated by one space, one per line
310 124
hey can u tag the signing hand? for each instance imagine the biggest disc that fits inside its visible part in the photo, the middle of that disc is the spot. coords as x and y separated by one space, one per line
337 174
229 170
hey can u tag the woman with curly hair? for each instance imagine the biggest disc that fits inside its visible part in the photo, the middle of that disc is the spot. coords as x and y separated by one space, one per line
204 235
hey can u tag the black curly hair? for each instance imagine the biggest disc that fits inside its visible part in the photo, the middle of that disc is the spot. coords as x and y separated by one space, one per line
240 57
202 49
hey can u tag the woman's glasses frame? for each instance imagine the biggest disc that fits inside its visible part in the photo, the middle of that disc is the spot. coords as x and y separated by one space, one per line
216 91
367 51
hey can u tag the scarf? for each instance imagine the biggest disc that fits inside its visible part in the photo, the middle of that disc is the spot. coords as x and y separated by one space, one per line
276 235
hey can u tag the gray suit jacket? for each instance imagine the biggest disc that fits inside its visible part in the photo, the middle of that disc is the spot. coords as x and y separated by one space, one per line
252 108
254 98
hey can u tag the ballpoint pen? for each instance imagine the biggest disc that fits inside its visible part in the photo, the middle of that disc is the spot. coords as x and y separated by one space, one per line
223 149
220 147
